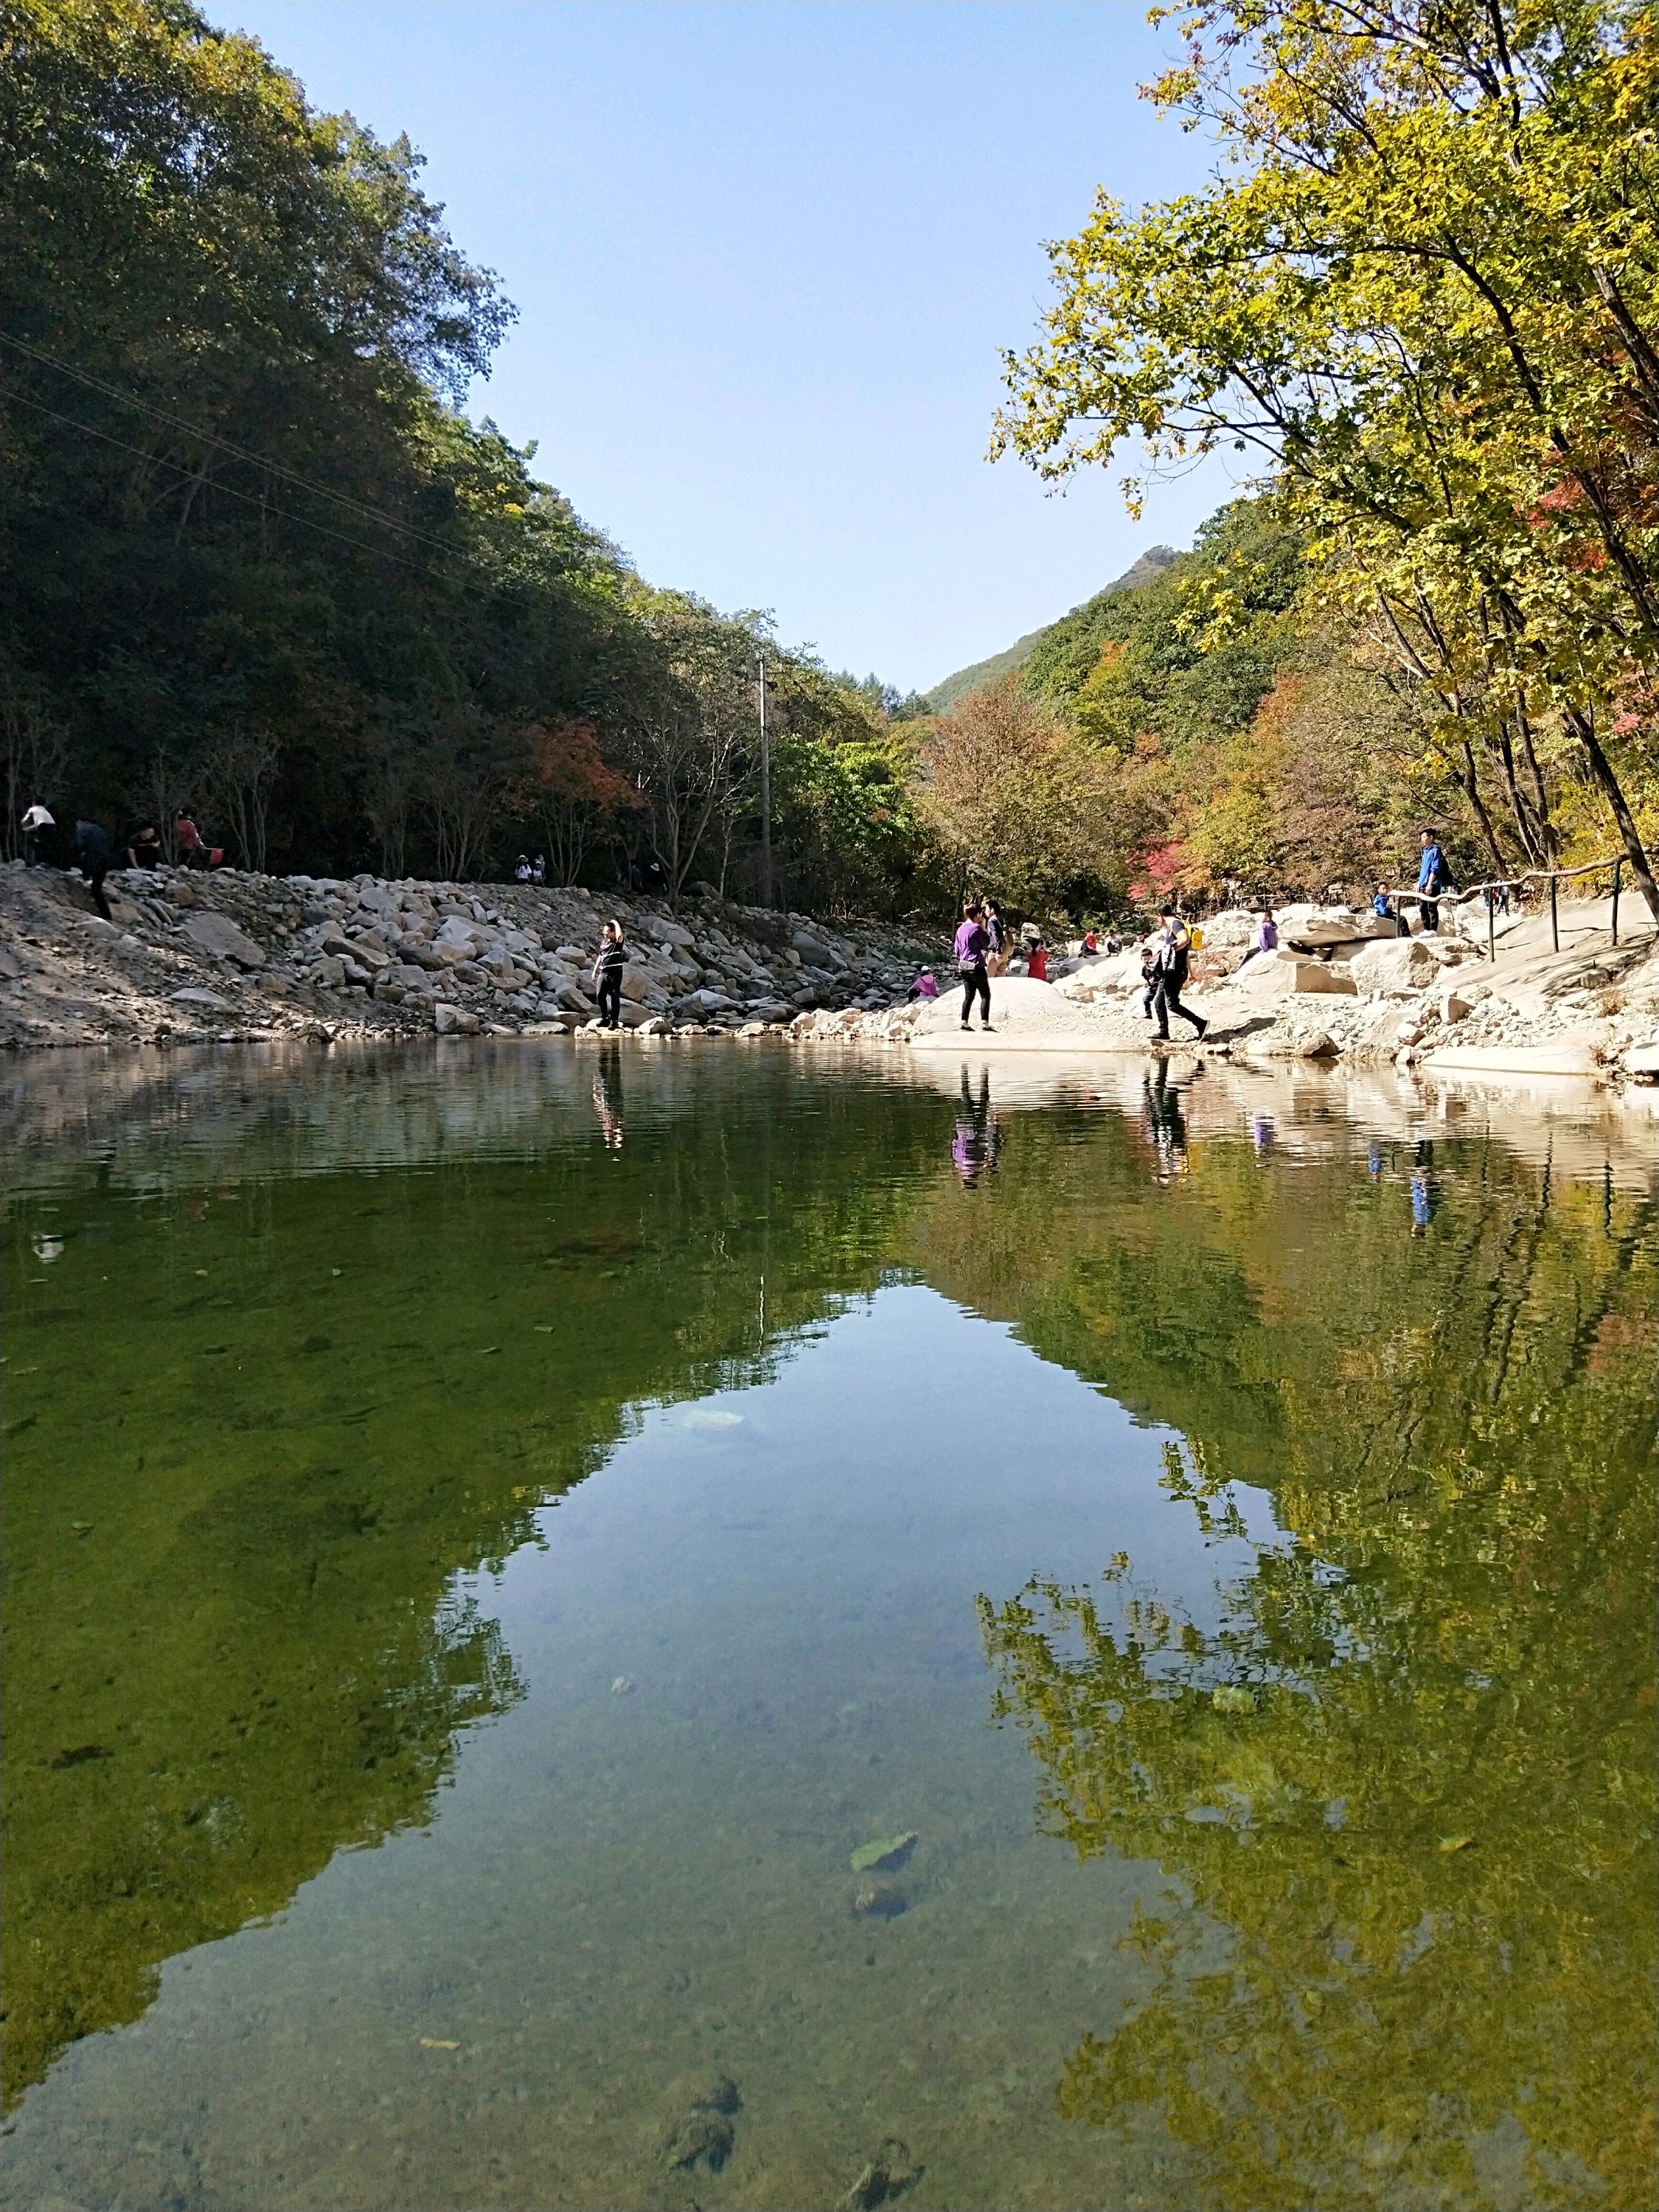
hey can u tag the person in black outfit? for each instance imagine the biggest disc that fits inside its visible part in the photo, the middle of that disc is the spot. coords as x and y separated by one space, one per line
143 846
1169 973
97 857
608 974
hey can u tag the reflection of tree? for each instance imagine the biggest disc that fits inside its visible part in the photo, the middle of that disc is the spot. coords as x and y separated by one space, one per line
283 1471
1421 1808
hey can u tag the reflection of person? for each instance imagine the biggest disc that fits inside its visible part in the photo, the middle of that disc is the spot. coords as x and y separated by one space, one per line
609 962
976 1138
97 857
972 942
607 1100
1422 1190
1165 1126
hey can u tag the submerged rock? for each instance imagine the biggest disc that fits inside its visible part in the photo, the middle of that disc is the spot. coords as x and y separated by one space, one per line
713 2092
887 2175
701 2138
881 1903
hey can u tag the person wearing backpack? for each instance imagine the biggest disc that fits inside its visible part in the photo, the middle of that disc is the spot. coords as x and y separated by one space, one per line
1171 961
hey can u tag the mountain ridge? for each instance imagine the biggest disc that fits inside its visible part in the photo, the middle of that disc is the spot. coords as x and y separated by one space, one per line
979 675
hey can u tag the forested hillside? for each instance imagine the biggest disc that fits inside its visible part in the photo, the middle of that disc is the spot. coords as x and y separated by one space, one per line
982 674
254 556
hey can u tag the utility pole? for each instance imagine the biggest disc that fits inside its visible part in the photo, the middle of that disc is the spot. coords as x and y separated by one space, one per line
766 792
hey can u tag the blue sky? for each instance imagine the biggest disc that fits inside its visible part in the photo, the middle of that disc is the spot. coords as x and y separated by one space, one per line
764 257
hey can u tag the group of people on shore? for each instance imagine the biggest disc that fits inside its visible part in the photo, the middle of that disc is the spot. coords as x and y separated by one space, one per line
94 852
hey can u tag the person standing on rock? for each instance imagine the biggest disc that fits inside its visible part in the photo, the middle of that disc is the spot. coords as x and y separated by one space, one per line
1169 967
37 827
96 855
1431 877
973 943
608 967
997 959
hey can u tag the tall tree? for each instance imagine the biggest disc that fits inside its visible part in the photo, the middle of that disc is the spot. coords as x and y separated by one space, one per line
1426 289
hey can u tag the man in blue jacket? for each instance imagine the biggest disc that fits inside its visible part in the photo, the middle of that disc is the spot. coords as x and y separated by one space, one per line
1431 877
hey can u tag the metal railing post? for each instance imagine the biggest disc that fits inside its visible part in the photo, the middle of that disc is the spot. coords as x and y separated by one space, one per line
1618 871
1555 929
1491 923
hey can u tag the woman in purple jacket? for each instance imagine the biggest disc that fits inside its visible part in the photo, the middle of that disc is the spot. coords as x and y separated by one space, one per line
972 942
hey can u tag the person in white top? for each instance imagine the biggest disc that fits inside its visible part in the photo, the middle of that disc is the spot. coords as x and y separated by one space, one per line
37 826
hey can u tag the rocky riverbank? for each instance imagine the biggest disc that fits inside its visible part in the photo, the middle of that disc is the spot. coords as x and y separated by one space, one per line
229 956
232 956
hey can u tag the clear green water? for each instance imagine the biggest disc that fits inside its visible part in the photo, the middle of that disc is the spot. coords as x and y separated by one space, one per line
486 1538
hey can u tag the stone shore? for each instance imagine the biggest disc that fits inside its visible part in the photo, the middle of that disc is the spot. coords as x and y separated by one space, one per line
232 957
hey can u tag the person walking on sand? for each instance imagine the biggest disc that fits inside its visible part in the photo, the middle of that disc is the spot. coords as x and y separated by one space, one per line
608 965
1169 966
972 944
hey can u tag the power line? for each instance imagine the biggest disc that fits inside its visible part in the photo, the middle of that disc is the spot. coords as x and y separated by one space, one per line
227 445
159 461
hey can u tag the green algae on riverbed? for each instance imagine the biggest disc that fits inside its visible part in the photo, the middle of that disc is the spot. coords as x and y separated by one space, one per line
324 1561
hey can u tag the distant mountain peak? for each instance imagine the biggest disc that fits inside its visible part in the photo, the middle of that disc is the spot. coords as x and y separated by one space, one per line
984 673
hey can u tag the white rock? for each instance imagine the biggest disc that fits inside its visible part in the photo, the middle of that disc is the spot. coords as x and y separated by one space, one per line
1394 964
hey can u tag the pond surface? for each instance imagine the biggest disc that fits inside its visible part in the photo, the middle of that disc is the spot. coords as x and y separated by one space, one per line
489 1538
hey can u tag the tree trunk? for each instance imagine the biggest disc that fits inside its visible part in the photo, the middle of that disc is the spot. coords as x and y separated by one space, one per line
1471 792
1583 729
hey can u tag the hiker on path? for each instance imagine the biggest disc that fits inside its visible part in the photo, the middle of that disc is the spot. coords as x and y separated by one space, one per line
972 944
1171 962
37 827
96 855
608 965
1431 877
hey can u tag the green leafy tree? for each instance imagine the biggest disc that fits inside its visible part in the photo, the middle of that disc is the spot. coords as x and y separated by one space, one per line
1424 290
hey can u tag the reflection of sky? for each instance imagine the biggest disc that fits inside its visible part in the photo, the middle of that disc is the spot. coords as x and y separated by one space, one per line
911 1455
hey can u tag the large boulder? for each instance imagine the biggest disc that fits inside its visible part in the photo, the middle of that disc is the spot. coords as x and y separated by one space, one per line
1395 964
218 936
1275 975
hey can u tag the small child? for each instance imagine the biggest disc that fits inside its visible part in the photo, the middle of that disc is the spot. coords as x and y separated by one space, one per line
924 986
1036 962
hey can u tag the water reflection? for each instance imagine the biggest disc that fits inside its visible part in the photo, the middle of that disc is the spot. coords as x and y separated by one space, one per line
1409 1781
303 1556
